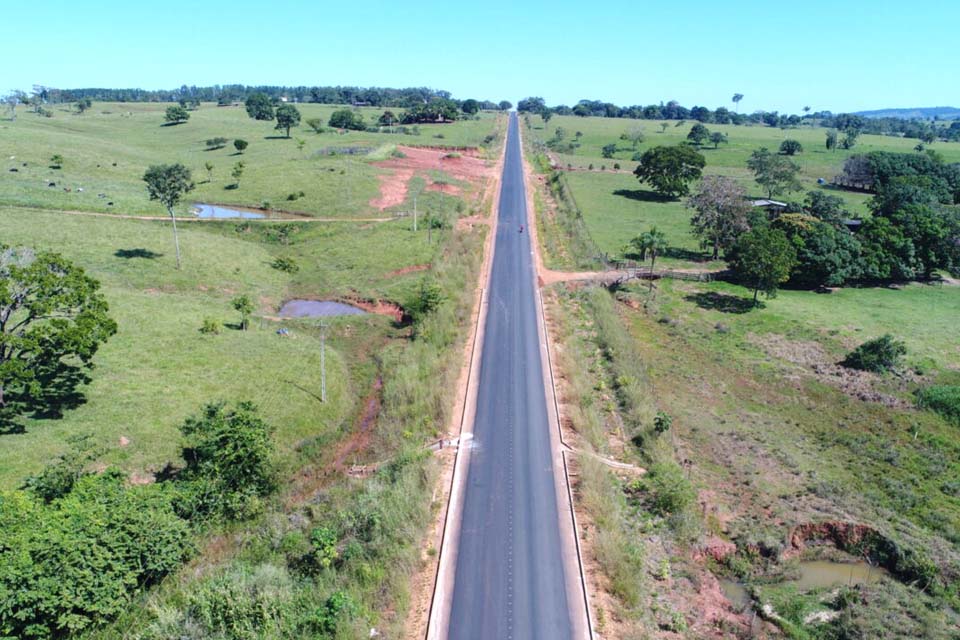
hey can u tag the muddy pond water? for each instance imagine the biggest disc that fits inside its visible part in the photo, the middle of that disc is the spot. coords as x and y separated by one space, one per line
317 309
814 574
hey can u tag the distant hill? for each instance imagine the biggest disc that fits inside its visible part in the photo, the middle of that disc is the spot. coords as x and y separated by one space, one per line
944 113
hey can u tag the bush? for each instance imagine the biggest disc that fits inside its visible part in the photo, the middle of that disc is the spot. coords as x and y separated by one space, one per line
790 147
878 355
229 461
671 492
75 563
291 197
240 145
943 399
58 478
211 326
216 143
285 264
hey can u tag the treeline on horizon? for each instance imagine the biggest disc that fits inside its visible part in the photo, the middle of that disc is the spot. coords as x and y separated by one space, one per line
231 93
673 110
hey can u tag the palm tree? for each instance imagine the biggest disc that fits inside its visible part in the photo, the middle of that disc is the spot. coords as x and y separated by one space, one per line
737 97
652 243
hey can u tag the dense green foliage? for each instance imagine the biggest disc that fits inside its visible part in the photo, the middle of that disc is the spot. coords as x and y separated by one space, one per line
76 563
347 119
229 461
942 398
53 320
287 117
775 173
259 106
176 115
669 170
878 355
436 110
763 258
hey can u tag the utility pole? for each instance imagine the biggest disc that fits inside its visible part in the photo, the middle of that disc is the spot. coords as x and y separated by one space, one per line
414 213
323 361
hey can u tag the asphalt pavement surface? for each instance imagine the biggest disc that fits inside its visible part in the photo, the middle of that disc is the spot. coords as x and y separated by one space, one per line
509 580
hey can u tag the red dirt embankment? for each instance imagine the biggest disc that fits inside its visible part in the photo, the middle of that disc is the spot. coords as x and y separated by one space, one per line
463 166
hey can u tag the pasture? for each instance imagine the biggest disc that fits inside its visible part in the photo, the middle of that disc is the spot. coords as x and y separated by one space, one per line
616 207
107 149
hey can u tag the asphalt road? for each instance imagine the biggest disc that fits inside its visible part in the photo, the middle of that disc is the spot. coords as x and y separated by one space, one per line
509 580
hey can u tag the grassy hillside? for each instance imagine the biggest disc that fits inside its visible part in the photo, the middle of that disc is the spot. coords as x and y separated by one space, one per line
616 207
107 149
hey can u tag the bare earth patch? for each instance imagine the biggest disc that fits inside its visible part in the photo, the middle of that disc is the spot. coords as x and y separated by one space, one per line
465 167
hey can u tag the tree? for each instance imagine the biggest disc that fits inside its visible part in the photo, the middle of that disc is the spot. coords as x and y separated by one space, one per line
929 136
287 116
237 172
56 161
176 115
301 144
83 105
825 207
721 213
664 126
531 105
244 306
652 243
670 169
790 147
168 183
717 137
635 136
698 133
763 258
827 255
737 97
218 142
850 136
347 119
505 105
52 315
774 173
229 455
608 150
316 124
470 106
240 145
259 106
545 115
387 119
831 140
12 99
208 166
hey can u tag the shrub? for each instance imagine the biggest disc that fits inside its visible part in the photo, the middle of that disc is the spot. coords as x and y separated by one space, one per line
671 492
877 355
428 297
662 422
229 461
790 147
240 145
216 143
285 264
616 166
211 326
58 478
291 197
943 399
75 563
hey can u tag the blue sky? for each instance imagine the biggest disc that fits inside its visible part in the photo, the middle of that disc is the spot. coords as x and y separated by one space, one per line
842 55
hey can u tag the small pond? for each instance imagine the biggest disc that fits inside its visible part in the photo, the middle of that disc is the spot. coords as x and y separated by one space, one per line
318 308
218 212
822 574
814 574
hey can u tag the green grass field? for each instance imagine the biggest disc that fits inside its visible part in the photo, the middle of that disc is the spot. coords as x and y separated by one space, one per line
159 368
616 207
107 150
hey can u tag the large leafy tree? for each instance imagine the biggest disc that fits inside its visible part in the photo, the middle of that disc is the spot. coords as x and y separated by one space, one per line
347 119
176 115
52 321
259 106
763 259
721 213
168 183
775 173
287 116
669 169
698 134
